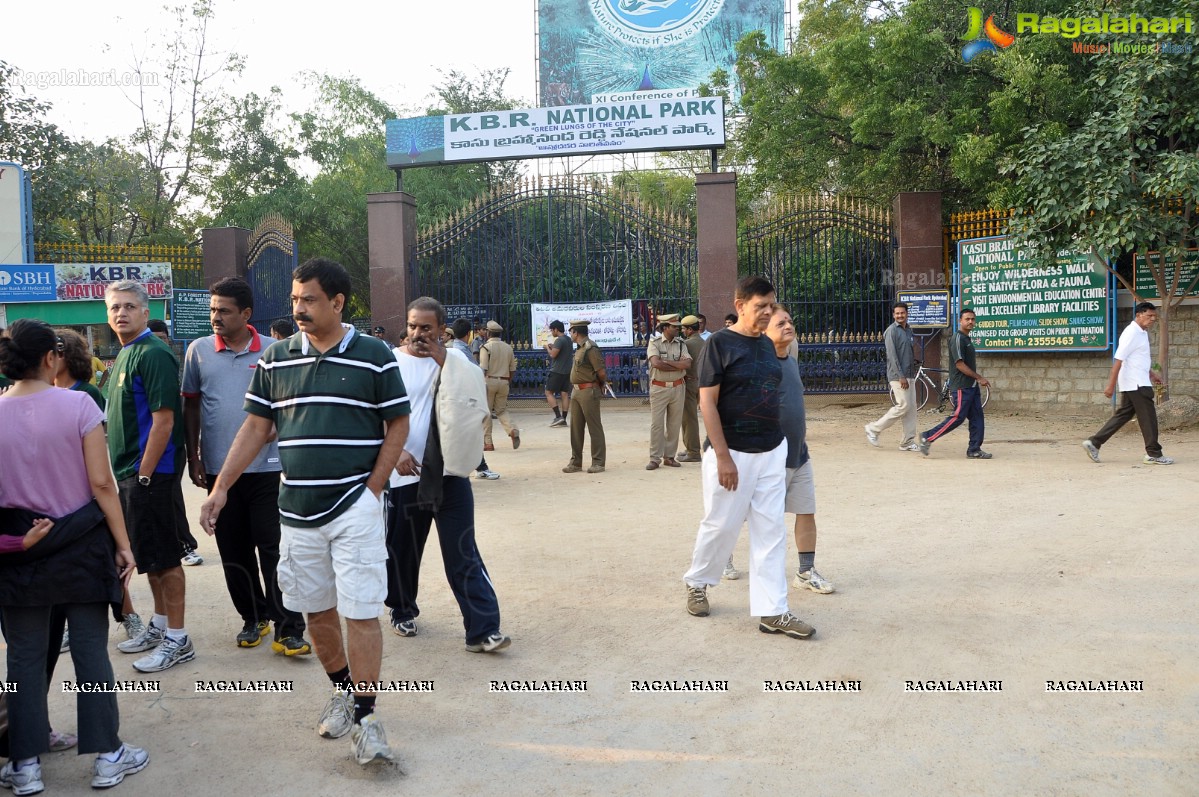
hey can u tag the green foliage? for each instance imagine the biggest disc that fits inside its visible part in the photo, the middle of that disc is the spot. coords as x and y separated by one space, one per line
1125 177
876 101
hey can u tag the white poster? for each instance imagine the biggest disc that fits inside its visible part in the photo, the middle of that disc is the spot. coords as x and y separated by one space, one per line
611 322
13 214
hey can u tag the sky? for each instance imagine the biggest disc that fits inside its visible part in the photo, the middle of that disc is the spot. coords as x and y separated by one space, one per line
394 49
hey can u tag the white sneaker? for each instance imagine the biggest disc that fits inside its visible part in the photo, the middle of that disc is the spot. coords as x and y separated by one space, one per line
913 446
151 636
191 558
489 475
168 653
1091 449
107 774
812 580
871 437
370 742
1162 460
731 573
27 780
133 626
338 716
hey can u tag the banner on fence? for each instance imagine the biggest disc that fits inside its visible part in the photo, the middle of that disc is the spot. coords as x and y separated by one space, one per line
1024 306
636 125
77 282
611 322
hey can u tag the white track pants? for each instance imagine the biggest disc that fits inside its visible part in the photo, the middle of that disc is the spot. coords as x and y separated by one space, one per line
758 499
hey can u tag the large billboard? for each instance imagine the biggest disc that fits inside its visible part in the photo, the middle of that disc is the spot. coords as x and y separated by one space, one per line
659 120
604 50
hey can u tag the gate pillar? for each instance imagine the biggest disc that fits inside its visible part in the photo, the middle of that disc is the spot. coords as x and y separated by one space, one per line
919 265
391 244
716 221
225 250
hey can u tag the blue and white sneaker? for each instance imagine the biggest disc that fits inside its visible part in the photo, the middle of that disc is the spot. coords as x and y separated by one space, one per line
169 653
106 774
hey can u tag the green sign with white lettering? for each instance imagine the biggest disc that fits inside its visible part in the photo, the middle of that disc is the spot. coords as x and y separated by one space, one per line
1025 306
1147 288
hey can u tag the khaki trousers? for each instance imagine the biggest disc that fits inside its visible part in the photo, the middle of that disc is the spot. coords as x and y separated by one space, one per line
497 399
585 410
665 421
691 420
904 409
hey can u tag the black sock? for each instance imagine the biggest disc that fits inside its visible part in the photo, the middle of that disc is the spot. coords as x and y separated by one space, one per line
364 705
557 412
341 679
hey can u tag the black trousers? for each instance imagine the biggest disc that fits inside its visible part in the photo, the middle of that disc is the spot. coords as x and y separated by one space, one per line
247 536
31 634
1137 402
407 531
58 622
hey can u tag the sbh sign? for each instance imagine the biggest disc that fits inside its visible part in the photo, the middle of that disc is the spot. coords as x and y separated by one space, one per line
65 282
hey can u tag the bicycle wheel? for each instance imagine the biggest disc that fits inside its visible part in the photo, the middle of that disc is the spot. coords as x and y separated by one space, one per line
984 393
922 393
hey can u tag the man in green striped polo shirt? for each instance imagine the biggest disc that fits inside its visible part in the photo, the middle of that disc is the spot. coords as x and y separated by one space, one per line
337 402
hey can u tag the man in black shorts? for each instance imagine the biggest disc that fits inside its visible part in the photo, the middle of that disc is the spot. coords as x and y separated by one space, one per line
145 443
557 383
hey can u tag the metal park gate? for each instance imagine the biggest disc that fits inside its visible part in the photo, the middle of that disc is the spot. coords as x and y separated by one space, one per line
831 261
270 261
558 240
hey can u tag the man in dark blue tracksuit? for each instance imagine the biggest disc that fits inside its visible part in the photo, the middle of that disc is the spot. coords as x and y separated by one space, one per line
964 382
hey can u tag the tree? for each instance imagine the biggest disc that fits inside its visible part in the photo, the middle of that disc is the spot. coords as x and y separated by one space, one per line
1126 178
179 118
875 99
26 138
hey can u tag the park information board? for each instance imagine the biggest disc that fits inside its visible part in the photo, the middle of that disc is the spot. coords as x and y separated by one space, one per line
1025 306
926 309
653 121
1147 288
189 315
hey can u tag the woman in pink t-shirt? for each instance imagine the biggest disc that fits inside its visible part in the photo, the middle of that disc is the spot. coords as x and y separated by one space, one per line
56 464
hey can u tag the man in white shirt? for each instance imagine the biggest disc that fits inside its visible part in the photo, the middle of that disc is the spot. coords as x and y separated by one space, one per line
422 492
1133 374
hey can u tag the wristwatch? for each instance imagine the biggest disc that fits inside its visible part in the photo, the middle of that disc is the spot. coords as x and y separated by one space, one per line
144 481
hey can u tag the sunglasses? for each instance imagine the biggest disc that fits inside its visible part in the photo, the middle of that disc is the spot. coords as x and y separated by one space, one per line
59 345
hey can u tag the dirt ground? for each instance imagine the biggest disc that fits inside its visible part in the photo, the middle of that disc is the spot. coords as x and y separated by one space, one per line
1035 566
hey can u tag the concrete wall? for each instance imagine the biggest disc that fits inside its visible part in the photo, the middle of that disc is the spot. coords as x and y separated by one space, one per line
1073 382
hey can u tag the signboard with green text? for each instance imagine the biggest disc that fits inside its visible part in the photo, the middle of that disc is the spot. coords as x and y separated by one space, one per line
1147 288
1025 306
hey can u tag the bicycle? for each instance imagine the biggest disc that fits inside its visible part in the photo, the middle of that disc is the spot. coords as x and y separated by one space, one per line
926 386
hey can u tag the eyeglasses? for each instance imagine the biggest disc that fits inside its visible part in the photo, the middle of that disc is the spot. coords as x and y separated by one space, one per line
59 346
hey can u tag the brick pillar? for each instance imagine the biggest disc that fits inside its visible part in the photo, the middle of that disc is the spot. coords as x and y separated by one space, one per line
391 241
225 251
716 218
916 217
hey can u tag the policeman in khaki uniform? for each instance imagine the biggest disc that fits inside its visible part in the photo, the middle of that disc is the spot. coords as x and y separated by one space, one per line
588 376
499 364
694 341
668 363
